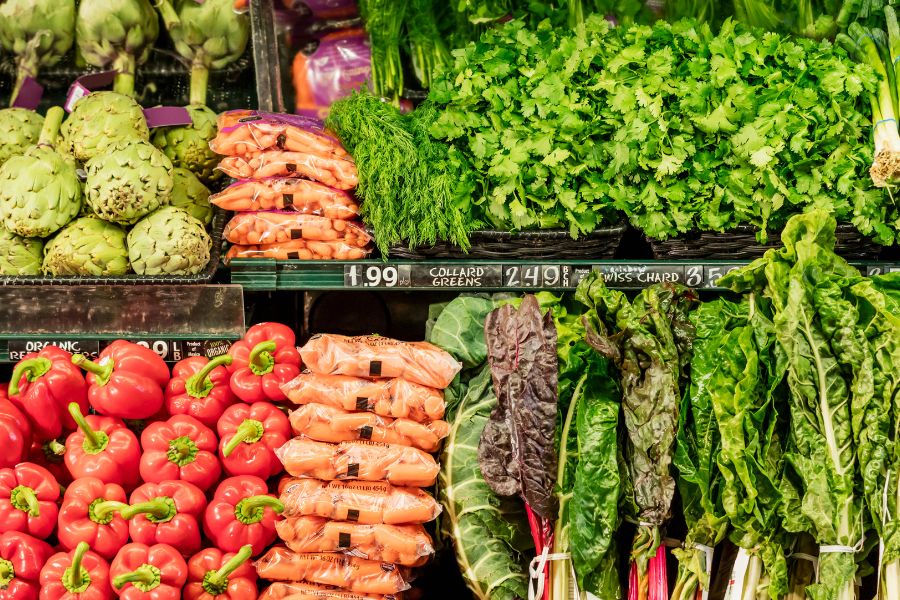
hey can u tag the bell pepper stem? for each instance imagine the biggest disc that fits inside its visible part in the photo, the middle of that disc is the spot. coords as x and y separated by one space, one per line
77 572
261 361
250 432
182 451
104 509
23 498
102 372
145 578
252 509
8 573
54 447
31 369
199 385
90 436
157 510
216 582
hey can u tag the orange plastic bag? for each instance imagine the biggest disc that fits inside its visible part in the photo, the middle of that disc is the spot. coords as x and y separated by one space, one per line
368 461
299 250
363 502
287 193
247 132
407 545
330 424
295 590
348 572
253 228
376 356
396 398
336 172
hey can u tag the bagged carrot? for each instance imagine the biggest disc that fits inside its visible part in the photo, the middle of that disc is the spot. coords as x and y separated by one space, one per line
376 356
368 461
275 227
325 423
406 545
247 132
296 590
354 574
363 502
396 398
299 250
333 171
295 194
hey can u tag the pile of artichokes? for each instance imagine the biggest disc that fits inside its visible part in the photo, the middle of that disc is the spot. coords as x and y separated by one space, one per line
92 196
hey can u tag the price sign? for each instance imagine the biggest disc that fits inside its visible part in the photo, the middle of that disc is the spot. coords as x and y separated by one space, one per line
19 348
537 276
641 276
175 350
711 274
376 276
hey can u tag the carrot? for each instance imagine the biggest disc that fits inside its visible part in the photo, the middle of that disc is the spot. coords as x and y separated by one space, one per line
276 227
354 574
287 193
332 171
295 590
247 132
298 250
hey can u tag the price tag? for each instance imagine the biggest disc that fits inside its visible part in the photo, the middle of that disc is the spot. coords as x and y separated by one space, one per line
872 270
711 274
641 276
175 350
377 276
19 348
537 276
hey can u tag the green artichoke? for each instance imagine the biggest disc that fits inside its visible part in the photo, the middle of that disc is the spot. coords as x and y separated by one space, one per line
38 32
190 194
20 256
168 242
129 181
40 190
87 246
188 146
209 34
21 128
117 34
102 120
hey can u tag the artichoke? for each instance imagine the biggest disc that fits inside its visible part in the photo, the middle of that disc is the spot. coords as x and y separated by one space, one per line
21 128
168 242
190 194
188 146
40 190
87 246
38 32
102 120
20 256
117 34
129 181
209 34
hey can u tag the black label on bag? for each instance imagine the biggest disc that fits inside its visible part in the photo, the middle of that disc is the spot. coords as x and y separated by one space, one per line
296 234
362 404
353 470
352 514
365 433
387 567
280 140
375 368
288 199
290 167
343 540
293 255
248 119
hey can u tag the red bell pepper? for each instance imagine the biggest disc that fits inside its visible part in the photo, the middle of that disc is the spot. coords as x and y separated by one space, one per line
15 431
181 448
166 513
241 513
28 494
89 513
155 572
200 388
264 360
42 386
21 559
104 448
214 575
126 382
249 434
76 575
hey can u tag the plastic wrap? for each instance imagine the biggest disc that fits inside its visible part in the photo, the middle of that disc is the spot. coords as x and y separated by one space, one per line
348 572
376 356
248 132
336 172
325 423
287 193
367 461
295 590
363 502
284 226
396 398
299 250
339 64
407 545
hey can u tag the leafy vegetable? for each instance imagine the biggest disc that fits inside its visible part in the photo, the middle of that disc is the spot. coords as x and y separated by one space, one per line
384 22
425 44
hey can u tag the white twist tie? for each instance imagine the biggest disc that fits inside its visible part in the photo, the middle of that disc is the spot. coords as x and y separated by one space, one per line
536 571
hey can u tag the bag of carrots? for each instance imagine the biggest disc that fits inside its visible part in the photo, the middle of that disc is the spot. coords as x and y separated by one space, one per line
348 572
406 545
376 356
325 423
295 194
368 461
248 132
276 227
299 250
295 590
365 502
333 171
395 398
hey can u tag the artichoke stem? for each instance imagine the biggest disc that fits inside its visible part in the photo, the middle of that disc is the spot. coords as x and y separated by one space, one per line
199 81
26 66
124 82
52 122
169 15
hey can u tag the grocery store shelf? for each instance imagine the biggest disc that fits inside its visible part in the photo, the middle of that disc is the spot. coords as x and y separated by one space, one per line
459 275
175 321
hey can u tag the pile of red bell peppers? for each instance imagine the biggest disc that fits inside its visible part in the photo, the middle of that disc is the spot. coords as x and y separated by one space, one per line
119 478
